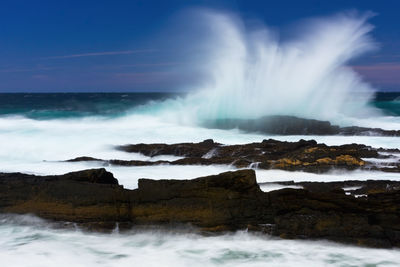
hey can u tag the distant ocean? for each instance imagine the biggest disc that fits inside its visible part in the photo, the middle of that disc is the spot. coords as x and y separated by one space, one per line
388 102
75 105
44 106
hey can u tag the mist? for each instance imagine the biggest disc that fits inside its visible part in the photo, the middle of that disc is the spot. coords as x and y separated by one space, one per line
246 71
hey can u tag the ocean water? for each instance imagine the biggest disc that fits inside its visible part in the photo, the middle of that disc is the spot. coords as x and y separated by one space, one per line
45 106
37 131
29 241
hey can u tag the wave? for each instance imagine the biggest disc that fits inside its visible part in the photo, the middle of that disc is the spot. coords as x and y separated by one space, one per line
248 72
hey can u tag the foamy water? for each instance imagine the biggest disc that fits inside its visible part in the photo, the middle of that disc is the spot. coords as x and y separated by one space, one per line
37 147
34 146
29 241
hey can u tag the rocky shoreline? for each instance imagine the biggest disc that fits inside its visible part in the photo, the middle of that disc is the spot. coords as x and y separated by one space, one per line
308 156
367 214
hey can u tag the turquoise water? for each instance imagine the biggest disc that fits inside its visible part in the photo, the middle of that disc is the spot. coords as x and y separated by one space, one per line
74 105
388 102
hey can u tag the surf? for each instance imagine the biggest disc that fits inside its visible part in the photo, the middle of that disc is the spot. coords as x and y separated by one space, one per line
249 72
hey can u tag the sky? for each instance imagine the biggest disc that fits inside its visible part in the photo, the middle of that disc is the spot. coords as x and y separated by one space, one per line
122 46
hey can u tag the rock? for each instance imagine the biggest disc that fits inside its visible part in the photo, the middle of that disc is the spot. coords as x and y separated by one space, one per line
282 125
269 154
93 197
228 201
83 159
291 125
182 149
355 130
98 176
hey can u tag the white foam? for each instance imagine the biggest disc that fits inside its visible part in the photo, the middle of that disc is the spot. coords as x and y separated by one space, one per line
264 176
35 147
36 245
351 188
272 187
249 72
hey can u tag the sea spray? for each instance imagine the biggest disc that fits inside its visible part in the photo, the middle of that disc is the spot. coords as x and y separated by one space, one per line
249 73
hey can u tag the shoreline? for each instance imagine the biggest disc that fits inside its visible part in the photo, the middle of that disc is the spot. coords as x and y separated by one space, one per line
229 201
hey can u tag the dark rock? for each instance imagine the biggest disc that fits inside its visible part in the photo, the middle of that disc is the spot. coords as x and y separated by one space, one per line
355 130
98 176
291 125
303 155
228 201
78 159
281 125
182 149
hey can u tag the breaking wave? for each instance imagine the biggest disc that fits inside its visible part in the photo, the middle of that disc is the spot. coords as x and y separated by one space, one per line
249 72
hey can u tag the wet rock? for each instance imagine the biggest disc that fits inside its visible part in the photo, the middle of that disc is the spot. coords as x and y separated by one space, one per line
182 149
98 176
302 155
281 125
228 201
355 130
291 125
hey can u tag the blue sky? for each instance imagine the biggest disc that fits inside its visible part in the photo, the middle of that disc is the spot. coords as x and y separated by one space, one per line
62 46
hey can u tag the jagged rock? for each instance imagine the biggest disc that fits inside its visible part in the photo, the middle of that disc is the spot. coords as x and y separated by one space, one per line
269 154
98 176
228 201
183 149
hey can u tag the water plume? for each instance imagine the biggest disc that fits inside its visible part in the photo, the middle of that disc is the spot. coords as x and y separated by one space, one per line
250 73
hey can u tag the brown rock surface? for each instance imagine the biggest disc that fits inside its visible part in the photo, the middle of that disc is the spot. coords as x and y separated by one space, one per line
228 201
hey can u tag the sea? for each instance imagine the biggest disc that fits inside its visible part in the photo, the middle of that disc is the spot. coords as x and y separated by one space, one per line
38 131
